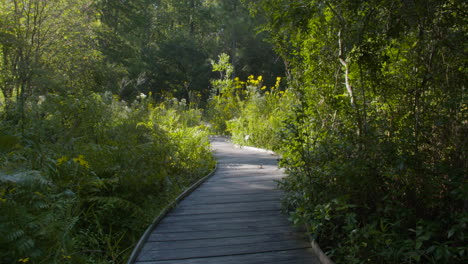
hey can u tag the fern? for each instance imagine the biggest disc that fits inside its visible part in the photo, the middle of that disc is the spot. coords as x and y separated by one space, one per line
25 244
110 203
15 235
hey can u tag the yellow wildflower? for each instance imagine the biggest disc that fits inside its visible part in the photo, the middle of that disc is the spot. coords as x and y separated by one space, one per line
259 78
80 160
264 87
66 256
278 81
23 260
251 77
62 160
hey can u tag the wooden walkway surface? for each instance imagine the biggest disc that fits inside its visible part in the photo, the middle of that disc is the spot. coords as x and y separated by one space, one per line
233 217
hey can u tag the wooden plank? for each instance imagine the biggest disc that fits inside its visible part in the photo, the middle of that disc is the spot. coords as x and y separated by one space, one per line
251 180
216 195
148 255
228 196
202 243
161 236
246 171
219 208
234 204
213 216
295 256
252 173
217 221
229 200
240 187
220 225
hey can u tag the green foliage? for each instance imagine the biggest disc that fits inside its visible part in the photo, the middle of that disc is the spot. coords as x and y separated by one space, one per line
262 115
249 111
88 175
225 101
375 149
46 47
371 126
167 45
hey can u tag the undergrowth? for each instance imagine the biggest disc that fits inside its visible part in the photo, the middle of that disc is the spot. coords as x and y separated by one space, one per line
367 195
82 178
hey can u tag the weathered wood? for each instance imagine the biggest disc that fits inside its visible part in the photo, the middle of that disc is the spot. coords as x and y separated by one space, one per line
217 251
225 241
223 226
216 208
234 204
161 236
267 180
239 187
234 217
238 193
163 225
300 256
232 199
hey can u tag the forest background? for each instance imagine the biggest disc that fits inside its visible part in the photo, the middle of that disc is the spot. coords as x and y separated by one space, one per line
106 109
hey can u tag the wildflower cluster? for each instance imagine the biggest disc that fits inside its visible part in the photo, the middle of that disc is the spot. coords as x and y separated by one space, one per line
80 160
253 85
251 81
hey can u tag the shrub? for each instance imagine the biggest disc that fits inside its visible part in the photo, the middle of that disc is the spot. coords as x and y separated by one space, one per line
83 177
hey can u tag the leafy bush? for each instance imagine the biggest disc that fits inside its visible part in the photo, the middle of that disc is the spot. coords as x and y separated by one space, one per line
375 147
226 99
83 178
262 114
247 110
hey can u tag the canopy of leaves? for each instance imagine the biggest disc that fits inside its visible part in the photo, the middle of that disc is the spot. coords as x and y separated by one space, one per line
375 147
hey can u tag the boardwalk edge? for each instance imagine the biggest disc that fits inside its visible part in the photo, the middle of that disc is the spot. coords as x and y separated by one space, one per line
323 258
164 212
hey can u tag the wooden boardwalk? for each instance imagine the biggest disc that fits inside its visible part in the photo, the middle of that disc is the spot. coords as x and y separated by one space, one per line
234 217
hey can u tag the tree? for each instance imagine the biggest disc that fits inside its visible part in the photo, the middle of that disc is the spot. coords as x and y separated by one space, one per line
166 49
381 84
46 47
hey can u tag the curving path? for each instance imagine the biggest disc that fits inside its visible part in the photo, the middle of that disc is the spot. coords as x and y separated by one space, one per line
233 217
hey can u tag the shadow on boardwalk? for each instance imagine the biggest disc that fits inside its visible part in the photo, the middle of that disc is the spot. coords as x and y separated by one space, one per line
234 217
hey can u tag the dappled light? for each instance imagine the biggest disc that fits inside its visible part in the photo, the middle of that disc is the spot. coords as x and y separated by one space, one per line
110 110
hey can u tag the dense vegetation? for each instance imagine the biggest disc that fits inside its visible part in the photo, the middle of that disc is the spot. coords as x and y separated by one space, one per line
93 141
365 100
84 177
375 143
